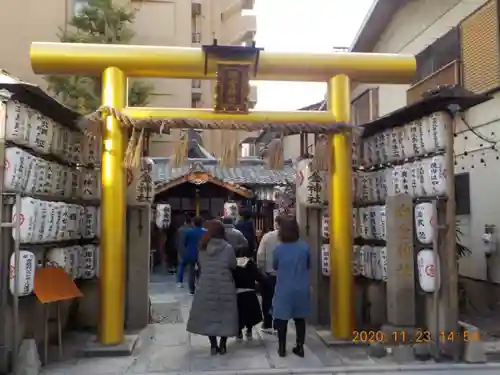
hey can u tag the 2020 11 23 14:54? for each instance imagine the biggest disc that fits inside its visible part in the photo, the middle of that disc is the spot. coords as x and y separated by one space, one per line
425 336
414 337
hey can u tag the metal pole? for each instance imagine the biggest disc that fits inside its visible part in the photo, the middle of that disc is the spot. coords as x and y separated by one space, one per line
5 242
341 278
17 257
449 288
113 253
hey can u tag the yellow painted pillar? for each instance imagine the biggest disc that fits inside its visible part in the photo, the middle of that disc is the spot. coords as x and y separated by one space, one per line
113 211
341 280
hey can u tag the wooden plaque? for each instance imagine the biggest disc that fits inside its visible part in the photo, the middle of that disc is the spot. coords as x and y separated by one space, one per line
233 87
400 261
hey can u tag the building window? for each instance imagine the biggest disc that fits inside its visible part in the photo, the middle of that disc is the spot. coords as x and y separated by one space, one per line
196 84
447 75
195 103
462 194
365 107
196 38
79 5
439 54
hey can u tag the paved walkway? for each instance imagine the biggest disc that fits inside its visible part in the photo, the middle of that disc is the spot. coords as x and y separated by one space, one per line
166 347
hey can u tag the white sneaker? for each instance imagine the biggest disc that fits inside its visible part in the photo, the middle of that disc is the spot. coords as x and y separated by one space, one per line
269 331
180 285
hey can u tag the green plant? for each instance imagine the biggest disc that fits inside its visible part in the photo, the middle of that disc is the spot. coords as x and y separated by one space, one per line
99 22
462 251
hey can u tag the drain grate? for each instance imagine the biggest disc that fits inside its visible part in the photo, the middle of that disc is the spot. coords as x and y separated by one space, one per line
166 313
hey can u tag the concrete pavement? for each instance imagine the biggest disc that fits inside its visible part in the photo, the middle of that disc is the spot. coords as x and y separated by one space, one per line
165 347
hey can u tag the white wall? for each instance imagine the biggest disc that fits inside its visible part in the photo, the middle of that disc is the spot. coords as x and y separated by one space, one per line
482 163
411 30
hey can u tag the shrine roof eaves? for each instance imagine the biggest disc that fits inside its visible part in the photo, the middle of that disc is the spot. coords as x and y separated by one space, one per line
242 175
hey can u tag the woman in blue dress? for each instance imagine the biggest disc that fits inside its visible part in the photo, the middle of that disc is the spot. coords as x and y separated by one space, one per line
291 260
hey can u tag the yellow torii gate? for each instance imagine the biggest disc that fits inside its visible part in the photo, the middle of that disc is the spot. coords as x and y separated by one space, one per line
117 62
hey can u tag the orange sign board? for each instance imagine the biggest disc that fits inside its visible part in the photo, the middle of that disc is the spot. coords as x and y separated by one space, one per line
53 284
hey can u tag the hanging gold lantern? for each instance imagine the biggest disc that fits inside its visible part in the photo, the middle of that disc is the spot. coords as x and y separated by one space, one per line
234 69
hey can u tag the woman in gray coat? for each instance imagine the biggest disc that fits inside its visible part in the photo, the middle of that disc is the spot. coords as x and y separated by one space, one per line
214 311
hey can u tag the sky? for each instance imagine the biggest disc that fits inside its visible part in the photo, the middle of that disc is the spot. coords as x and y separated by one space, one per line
303 26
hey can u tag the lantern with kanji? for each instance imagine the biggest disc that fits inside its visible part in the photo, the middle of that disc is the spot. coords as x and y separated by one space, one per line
234 65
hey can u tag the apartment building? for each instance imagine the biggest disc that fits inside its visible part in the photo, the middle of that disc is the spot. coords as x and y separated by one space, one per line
158 22
456 42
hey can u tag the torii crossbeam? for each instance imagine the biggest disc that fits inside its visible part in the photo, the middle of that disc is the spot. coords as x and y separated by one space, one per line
117 62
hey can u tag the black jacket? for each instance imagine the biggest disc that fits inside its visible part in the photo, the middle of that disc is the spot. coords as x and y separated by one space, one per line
248 276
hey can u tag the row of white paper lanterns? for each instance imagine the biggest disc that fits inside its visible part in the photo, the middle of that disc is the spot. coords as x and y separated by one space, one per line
42 221
424 178
372 263
163 216
29 128
370 223
420 137
25 173
79 262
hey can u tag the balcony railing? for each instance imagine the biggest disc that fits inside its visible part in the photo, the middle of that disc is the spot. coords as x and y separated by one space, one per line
196 84
252 96
239 28
195 8
447 75
196 38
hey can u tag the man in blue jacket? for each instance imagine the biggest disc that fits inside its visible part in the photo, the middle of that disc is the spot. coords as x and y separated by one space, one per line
245 226
189 258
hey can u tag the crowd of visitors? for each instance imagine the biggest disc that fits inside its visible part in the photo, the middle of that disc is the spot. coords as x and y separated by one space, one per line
228 267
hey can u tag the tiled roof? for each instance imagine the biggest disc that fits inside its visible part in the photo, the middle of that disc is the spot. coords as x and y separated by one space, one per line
250 174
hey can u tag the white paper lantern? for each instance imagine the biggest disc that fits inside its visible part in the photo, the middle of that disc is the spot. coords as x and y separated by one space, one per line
379 151
325 224
355 222
163 215
372 220
355 186
383 257
27 267
367 252
376 221
383 222
414 135
17 167
437 175
376 263
428 270
357 267
90 228
428 144
231 209
415 187
395 146
311 191
27 219
60 257
365 231
87 262
365 194
40 222
438 127
424 222
325 260
17 126
41 132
